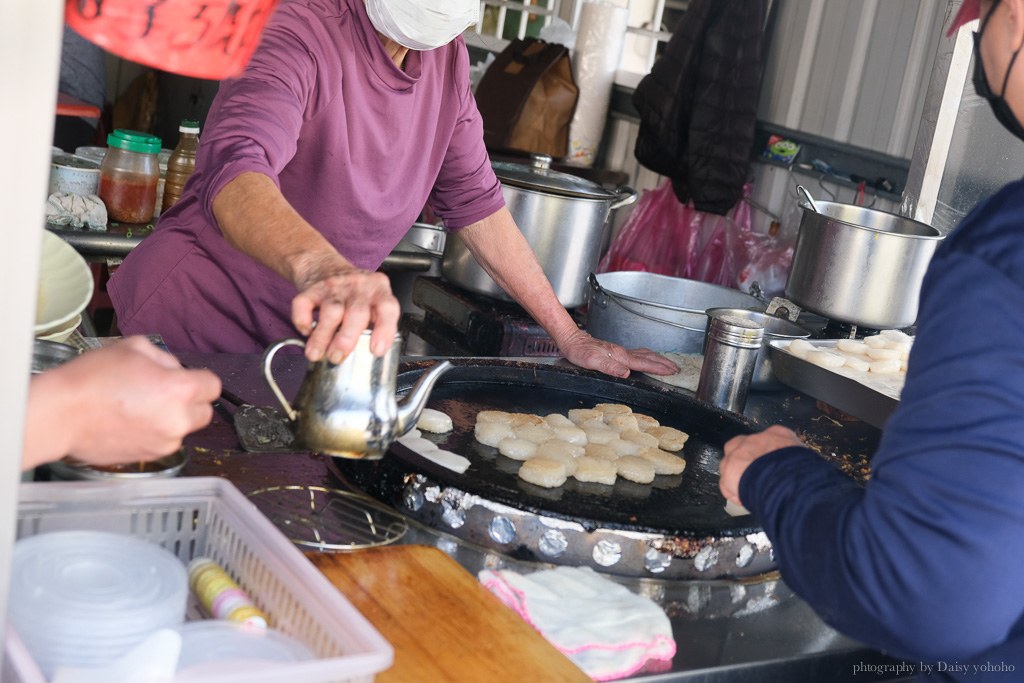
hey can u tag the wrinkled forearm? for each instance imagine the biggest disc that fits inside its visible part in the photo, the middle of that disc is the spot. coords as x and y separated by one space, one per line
256 219
500 248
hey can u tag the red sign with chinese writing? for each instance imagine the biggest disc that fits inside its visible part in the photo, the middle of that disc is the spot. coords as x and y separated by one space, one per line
210 39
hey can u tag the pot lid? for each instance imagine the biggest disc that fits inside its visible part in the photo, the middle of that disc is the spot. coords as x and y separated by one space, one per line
539 176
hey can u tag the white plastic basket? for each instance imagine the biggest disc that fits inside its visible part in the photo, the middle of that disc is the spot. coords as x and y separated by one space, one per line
208 516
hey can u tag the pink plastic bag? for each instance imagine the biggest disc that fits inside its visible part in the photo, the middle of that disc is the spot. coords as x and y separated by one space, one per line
660 236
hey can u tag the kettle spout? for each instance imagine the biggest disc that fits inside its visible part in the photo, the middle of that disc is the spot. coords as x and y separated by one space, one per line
410 408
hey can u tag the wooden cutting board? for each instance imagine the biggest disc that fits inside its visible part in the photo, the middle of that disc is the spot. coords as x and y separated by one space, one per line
443 624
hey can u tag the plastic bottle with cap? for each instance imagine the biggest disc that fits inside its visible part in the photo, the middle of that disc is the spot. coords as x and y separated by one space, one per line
218 593
128 176
182 163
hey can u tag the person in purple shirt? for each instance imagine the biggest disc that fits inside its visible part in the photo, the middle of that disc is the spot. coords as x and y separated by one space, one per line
926 562
351 117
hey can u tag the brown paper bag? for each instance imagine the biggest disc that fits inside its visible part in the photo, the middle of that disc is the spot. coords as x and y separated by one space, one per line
527 98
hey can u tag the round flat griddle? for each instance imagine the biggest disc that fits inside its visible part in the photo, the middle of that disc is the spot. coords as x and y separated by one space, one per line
685 512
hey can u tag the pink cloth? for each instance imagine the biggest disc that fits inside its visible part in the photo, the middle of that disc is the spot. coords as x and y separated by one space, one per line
604 628
357 146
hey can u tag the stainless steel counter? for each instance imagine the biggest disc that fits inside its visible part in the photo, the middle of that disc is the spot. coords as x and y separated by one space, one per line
726 631
119 240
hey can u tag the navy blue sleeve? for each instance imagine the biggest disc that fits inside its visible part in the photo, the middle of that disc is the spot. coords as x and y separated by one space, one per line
926 560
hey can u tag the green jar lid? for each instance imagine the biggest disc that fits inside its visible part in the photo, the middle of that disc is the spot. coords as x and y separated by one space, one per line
134 141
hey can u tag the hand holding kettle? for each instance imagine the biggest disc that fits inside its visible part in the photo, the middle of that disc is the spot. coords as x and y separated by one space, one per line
349 409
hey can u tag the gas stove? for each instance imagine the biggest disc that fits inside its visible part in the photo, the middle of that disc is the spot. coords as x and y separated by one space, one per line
459 323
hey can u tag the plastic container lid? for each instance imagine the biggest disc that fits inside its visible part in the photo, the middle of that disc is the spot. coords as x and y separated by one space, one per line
134 141
213 643
189 126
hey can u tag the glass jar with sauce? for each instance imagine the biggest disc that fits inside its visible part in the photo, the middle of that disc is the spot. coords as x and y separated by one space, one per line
129 175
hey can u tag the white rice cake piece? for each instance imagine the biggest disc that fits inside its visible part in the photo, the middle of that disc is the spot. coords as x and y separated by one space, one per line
428 450
492 433
600 450
622 447
889 366
595 470
571 434
825 359
735 510
634 468
800 348
558 446
644 439
581 415
413 432
435 421
861 364
669 438
896 336
622 422
664 463
418 444
494 416
517 449
527 419
555 420
551 450
535 433
600 434
447 459
609 409
645 422
543 472
882 353
854 346
876 341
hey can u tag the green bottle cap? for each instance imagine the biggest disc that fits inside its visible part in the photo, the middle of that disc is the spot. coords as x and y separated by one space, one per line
134 141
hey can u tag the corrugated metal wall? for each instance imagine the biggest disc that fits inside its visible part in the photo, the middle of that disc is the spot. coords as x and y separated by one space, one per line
852 71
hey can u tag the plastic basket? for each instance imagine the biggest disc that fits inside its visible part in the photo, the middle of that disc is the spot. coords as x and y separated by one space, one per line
208 516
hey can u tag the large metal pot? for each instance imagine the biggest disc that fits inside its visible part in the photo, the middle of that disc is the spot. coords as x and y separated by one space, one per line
859 265
562 216
658 312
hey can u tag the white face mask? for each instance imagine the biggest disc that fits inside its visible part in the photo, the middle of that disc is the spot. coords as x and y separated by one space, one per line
422 24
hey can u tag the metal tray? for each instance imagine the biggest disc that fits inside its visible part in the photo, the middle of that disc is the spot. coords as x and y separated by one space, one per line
846 393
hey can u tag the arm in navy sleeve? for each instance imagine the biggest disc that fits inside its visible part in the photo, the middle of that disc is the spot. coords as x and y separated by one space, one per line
925 561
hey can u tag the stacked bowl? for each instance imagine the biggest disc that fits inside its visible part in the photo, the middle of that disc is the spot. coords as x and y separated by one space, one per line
85 598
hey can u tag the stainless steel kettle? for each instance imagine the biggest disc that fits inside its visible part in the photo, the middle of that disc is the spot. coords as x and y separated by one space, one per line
350 410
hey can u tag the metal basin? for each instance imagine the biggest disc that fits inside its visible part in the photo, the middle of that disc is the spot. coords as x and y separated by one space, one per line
657 312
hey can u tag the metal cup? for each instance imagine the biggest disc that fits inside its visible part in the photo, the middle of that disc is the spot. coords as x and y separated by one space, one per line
730 355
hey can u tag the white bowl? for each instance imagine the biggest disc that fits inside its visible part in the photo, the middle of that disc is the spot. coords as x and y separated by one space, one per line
62 333
65 287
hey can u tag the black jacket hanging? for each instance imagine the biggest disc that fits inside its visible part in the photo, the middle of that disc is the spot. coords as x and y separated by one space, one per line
698 105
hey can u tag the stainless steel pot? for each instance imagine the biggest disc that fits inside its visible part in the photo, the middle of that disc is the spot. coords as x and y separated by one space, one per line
859 265
658 312
562 216
775 329
430 238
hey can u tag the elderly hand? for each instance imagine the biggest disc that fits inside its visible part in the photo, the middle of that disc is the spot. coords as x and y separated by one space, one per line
742 450
612 359
123 403
348 301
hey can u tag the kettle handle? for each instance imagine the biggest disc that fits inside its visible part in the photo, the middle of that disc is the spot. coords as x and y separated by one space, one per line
268 358
624 196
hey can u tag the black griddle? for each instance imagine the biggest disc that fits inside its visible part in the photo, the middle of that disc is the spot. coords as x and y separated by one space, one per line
687 505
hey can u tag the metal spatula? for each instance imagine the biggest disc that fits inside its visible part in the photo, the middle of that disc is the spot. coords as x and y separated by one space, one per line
260 430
